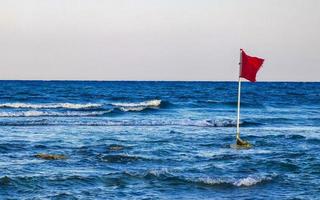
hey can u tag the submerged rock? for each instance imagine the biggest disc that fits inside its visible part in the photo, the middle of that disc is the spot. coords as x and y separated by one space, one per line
5 180
50 156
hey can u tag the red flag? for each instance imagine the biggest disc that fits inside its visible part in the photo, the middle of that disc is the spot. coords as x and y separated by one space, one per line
250 66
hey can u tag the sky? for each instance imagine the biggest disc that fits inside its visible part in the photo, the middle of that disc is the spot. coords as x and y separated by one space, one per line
158 39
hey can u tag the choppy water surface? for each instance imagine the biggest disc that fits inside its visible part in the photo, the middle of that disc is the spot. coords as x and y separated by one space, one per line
158 140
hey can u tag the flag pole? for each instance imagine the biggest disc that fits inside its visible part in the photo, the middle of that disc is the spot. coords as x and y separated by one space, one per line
239 94
239 142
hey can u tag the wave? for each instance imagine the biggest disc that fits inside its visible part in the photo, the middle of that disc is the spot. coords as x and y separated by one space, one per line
124 107
132 109
167 174
33 180
46 122
50 105
94 108
35 113
242 182
136 107
78 113
151 103
157 173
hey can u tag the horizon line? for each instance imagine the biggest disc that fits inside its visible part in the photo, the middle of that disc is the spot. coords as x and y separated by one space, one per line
134 80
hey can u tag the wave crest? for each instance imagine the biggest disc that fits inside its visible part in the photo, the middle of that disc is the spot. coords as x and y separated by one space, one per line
164 173
123 107
50 105
242 182
36 113
151 103
136 107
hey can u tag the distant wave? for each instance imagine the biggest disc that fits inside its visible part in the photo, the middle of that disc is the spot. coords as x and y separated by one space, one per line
50 105
136 107
36 113
132 109
45 122
90 109
124 107
151 103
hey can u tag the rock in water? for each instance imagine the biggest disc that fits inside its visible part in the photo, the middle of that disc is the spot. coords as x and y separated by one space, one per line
50 156
241 144
5 180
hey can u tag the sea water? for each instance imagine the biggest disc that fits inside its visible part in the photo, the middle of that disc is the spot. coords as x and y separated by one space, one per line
158 140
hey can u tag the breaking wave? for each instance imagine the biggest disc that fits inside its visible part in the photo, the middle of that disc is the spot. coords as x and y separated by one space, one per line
35 113
151 103
242 182
136 107
164 173
124 107
90 109
50 105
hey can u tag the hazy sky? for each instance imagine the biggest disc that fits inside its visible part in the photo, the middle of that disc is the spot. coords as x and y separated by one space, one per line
158 39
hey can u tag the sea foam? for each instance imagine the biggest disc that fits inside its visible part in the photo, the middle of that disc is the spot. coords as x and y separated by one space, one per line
36 113
151 103
137 107
125 107
242 182
49 105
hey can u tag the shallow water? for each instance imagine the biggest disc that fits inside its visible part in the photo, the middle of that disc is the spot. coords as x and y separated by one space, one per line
158 140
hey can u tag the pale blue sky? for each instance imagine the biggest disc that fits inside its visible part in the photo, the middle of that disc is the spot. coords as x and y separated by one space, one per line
158 39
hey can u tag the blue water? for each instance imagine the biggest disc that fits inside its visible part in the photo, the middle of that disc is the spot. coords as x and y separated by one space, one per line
158 140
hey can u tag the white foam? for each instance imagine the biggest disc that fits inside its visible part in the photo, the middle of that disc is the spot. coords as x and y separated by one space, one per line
249 181
151 103
35 113
134 109
210 181
50 105
159 172
243 182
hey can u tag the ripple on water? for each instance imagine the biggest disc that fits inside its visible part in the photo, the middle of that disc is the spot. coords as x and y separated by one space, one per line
121 158
12 147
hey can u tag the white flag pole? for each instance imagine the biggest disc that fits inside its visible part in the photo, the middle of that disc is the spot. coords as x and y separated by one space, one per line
239 93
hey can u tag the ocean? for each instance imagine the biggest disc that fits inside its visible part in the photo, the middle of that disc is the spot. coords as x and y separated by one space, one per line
158 140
